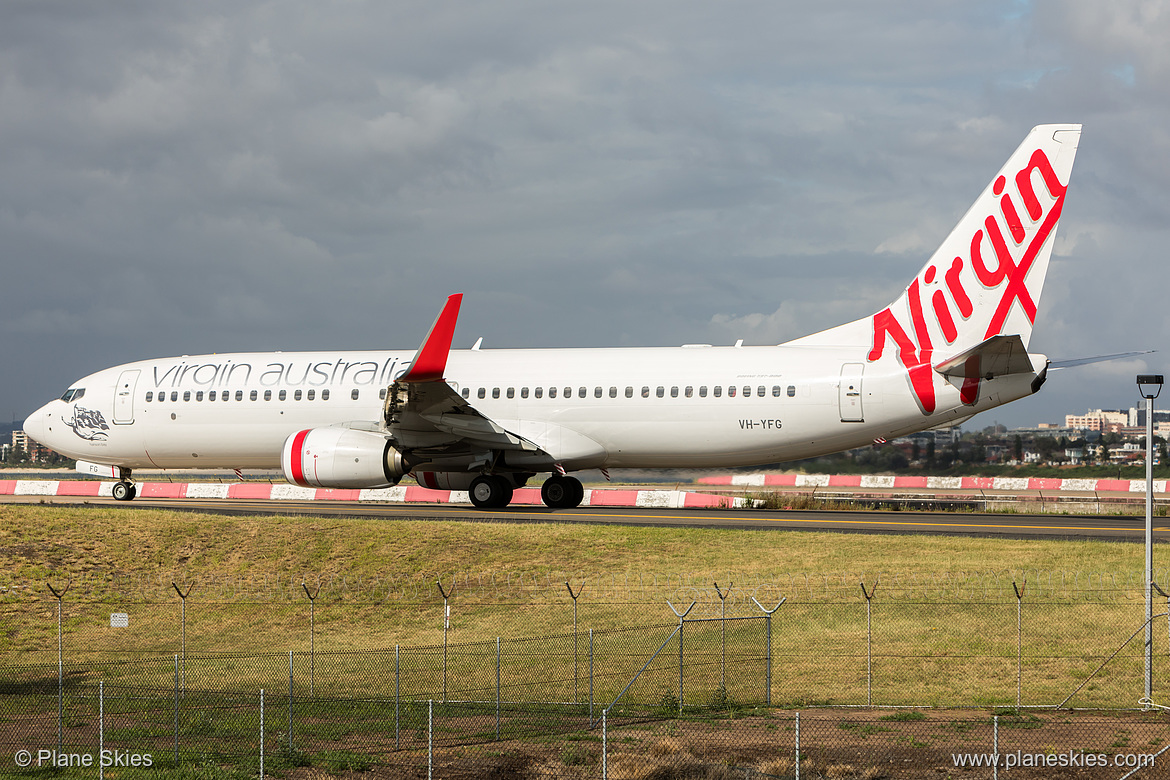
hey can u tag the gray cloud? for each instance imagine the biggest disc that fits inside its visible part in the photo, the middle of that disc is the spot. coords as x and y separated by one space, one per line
225 176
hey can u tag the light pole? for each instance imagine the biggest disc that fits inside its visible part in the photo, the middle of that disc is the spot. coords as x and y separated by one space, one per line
1149 385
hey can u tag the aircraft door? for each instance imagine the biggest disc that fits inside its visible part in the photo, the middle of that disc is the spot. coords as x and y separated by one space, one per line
124 397
849 392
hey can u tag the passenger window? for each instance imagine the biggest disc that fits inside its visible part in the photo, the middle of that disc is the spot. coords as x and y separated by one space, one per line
523 392
267 395
224 395
674 392
613 392
581 392
382 394
660 392
731 391
353 394
718 391
325 395
211 396
174 395
481 393
297 395
702 391
311 394
552 392
775 391
761 391
282 395
689 391
597 392
239 395
539 391
199 395
149 396
792 391
568 392
253 395
466 392
629 392
645 391
747 392
495 392
511 392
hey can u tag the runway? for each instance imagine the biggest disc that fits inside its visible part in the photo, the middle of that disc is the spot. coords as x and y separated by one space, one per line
1017 526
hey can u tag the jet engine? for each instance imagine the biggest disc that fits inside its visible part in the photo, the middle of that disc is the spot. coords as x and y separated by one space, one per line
342 458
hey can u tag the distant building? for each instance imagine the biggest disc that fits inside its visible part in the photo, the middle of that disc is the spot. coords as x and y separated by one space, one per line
1097 420
36 452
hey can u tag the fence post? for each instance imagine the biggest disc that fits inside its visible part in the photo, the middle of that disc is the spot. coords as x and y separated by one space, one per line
681 617
798 746
101 728
723 635
576 674
183 646
446 625
1019 638
290 699
497 689
768 649
60 667
430 738
591 677
995 746
176 710
397 697
869 642
312 637
261 734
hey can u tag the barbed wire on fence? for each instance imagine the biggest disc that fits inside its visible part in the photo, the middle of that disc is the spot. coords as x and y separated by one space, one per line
604 586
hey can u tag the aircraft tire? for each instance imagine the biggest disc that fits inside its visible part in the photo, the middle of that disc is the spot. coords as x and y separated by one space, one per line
562 492
124 491
490 492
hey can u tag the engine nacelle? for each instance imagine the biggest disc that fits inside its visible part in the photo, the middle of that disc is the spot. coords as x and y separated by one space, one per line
342 458
461 480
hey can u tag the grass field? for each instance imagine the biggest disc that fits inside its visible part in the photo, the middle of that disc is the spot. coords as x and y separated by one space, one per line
944 613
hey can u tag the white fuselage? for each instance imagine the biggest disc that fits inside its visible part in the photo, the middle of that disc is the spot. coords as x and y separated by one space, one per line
588 408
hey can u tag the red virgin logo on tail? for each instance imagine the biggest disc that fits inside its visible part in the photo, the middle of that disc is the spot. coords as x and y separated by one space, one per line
1009 277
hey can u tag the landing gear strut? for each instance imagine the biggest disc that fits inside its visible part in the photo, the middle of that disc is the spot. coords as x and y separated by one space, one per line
124 489
490 492
559 492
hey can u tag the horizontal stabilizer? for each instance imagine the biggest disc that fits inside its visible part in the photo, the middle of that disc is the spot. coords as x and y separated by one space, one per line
1099 359
997 356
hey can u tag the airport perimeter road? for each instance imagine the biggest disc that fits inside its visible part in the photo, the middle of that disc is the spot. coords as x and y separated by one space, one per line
961 524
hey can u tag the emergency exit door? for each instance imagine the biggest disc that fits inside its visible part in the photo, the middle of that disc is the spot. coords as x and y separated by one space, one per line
124 397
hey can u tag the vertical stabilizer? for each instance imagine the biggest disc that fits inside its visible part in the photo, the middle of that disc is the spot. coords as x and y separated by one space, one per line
986 277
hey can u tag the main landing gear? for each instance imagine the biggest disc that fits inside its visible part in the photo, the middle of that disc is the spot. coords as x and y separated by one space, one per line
124 489
490 491
559 492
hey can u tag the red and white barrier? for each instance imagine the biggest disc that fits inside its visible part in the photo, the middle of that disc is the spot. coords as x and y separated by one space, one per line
664 499
888 482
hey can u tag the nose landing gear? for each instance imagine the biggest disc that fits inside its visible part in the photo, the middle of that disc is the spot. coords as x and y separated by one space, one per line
124 489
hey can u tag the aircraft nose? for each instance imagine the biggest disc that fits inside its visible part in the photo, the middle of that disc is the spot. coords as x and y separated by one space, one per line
37 425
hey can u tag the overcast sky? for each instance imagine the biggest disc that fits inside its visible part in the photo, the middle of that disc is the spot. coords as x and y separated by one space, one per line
183 178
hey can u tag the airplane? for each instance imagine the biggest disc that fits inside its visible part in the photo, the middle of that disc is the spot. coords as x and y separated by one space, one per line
952 345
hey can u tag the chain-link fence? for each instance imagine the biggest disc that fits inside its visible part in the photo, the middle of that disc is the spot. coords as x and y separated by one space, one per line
715 686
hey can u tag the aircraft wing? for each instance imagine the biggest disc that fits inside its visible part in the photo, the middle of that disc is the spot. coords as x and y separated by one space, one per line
423 411
997 356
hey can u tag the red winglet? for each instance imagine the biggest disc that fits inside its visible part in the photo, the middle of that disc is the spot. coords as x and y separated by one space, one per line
431 359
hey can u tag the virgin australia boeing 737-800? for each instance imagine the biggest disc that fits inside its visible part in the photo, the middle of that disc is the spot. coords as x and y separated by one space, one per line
953 344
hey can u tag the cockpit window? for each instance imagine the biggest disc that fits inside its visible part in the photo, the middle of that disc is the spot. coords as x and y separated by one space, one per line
72 394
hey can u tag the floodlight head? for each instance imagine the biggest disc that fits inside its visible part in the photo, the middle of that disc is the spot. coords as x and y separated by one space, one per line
1154 381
